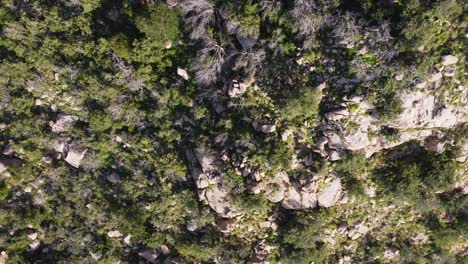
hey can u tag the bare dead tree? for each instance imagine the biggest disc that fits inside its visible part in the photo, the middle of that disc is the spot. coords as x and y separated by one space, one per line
250 61
309 19
270 7
208 63
347 27
197 15
127 78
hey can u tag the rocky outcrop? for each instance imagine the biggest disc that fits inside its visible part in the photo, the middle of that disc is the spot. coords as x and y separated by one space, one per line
422 114
208 175
297 195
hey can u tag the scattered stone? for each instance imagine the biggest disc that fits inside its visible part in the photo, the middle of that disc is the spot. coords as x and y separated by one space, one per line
334 155
261 252
114 234
355 98
286 134
168 44
265 225
236 89
164 249
371 191
192 225
296 198
400 76
435 77
449 60
95 256
225 225
127 240
247 42
114 178
183 73
150 255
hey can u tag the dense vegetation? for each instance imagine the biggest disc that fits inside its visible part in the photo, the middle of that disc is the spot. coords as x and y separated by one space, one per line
117 68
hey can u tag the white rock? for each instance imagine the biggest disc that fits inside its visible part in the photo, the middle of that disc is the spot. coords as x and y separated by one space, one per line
400 76
182 73
192 225
34 245
334 155
168 44
95 256
28 189
127 240
449 60
32 236
114 234
268 128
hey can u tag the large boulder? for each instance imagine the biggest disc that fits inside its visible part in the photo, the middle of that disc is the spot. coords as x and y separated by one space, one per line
63 123
330 195
449 60
75 155
297 197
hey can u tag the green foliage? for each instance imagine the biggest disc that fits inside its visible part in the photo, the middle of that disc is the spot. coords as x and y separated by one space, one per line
159 24
413 173
352 170
196 252
301 104
113 65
